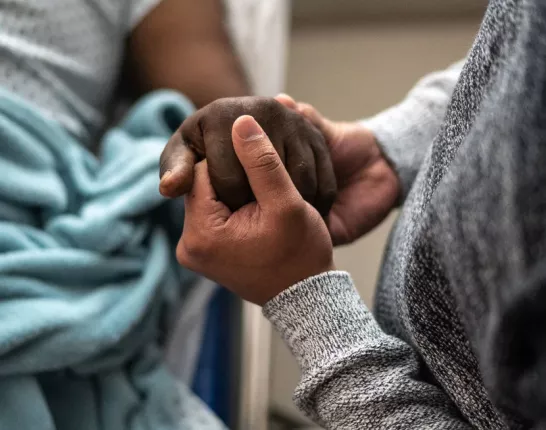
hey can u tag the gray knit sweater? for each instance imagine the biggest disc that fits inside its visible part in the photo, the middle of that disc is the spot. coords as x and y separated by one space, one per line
459 334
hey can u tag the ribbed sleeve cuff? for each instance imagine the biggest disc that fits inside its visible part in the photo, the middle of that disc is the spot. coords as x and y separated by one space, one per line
317 318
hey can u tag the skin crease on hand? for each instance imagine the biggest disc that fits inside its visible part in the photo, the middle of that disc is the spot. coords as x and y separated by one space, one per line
207 134
265 246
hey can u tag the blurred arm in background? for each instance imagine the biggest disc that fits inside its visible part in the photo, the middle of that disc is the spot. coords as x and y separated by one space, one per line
184 45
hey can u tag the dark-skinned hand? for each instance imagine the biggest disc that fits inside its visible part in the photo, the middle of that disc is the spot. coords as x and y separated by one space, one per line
207 135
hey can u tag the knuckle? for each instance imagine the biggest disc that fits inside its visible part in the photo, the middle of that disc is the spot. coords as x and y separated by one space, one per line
309 110
193 137
309 132
164 162
172 144
263 107
224 102
272 105
192 250
227 107
262 102
293 211
306 109
267 161
182 257
188 127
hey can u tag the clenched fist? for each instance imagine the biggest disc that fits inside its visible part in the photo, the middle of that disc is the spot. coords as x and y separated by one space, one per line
207 135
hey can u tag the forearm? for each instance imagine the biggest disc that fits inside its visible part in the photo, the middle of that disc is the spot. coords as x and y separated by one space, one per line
215 74
353 374
184 45
406 131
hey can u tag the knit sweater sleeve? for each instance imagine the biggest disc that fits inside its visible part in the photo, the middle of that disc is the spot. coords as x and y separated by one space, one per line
406 131
492 201
354 376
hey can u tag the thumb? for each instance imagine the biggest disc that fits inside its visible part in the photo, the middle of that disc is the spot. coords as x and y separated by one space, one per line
266 174
176 167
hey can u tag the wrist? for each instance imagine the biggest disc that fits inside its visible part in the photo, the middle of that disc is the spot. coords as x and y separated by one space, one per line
295 280
300 313
292 289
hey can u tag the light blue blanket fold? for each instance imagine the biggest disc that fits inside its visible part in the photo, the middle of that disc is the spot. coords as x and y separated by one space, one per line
87 272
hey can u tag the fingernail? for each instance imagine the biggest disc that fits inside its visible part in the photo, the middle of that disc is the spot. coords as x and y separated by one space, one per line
165 177
248 129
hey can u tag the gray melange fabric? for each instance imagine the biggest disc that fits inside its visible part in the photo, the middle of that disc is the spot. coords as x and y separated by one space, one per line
65 56
459 339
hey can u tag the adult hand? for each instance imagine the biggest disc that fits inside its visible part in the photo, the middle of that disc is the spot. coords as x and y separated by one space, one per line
368 187
267 245
207 134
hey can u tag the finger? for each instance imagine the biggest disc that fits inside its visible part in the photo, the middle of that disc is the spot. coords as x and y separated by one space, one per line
287 101
201 201
266 174
326 180
176 167
300 163
316 118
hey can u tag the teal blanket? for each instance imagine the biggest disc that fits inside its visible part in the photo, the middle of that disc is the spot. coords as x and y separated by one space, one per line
88 279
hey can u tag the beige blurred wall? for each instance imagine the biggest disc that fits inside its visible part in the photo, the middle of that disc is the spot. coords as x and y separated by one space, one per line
349 73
